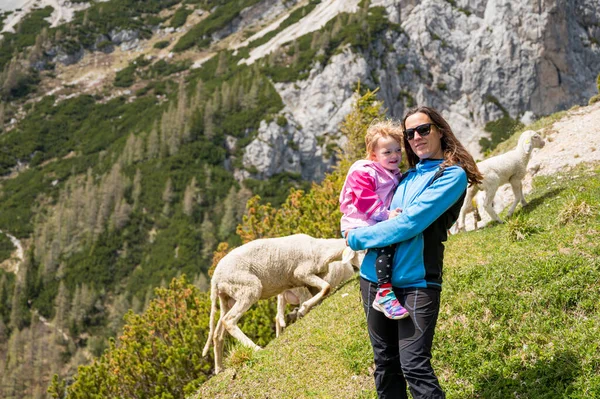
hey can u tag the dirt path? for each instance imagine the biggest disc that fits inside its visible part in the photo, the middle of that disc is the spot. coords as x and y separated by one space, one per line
17 257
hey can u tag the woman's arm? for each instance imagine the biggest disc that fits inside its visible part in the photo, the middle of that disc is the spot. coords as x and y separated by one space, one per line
416 217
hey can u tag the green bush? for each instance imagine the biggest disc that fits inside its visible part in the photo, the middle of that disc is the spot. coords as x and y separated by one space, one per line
29 28
6 247
500 130
344 29
125 77
281 120
275 189
178 19
159 354
199 35
162 44
163 68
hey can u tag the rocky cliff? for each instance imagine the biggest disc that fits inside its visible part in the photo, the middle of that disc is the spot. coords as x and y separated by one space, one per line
477 60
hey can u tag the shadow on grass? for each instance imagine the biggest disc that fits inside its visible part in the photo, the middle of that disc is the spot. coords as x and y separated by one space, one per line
546 379
534 203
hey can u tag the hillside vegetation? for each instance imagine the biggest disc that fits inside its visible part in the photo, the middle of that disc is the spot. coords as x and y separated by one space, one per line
122 141
520 314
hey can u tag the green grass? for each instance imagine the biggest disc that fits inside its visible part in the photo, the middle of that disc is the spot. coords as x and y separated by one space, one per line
520 314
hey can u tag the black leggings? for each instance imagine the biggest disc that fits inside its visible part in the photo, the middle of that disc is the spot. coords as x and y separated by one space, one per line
402 348
383 263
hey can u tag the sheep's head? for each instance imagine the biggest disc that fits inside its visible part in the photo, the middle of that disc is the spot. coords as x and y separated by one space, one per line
352 257
530 140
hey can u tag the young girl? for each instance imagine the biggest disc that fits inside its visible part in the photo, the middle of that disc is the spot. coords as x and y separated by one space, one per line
366 197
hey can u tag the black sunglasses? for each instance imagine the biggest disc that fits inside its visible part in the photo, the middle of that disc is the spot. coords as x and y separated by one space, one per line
423 131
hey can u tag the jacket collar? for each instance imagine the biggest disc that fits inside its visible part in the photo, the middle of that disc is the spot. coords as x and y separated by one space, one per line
428 165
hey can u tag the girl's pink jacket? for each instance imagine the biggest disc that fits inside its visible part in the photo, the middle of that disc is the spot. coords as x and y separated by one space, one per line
366 195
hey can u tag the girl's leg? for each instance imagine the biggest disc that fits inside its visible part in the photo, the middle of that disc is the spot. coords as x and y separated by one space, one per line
386 301
383 332
383 264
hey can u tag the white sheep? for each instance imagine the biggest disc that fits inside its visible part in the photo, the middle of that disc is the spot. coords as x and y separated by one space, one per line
338 272
261 269
509 167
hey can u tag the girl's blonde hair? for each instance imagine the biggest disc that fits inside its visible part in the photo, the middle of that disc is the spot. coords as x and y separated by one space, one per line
382 128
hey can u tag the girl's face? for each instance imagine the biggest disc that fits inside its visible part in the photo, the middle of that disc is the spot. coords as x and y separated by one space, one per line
429 145
388 153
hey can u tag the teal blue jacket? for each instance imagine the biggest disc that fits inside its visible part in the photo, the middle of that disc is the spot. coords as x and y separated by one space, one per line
430 205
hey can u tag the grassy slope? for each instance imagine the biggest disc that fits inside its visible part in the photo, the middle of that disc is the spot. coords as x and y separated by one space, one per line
520 317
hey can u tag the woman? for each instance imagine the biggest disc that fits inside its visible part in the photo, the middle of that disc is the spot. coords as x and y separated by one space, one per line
430 196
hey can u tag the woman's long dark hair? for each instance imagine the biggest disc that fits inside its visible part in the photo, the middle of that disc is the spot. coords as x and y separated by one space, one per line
454 152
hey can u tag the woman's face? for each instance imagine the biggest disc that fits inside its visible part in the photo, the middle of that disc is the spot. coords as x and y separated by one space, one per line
428 145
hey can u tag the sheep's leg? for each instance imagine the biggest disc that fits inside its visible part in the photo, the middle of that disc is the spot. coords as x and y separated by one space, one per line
251 294
219 335
466 207
488 204
233 316
313 281
517 188
280 317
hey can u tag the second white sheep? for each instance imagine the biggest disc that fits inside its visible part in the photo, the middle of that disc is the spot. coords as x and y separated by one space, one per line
509 167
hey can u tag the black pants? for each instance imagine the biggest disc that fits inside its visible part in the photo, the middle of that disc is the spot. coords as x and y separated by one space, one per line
402 348
383 263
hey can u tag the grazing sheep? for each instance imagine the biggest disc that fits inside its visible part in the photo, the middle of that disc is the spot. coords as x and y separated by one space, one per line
338 272
509 167
261 269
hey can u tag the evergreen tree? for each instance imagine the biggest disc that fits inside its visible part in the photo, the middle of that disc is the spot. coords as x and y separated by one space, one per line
10 77
190 197
62 307
153 144
201 282
243 195
121 214
137 188
3 298
119 308
19 312
209 113
3 331
138 149
222 64
207 233
167 197
2 111
366 109
228 221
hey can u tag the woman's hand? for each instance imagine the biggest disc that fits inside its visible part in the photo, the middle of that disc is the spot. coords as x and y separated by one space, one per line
394 213
346 236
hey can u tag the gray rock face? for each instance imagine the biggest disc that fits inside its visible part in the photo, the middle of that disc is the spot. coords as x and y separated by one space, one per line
121 36
475 61
273 151
57 54
314 109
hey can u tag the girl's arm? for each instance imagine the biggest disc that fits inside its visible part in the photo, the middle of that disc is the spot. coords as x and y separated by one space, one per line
362 186
416 217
